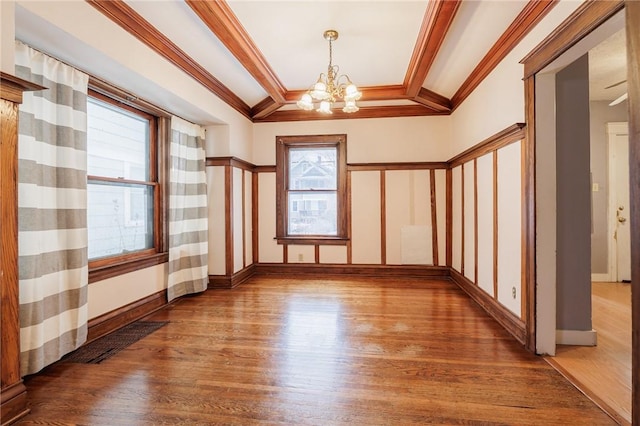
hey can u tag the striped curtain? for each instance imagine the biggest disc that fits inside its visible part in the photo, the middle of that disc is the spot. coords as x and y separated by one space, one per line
188 221
52 215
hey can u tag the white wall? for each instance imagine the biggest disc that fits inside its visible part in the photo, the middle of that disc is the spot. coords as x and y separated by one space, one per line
7 36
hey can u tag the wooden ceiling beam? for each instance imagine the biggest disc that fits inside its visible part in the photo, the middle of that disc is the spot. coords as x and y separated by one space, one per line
526 20
433 100
365 112
264 108
371 93
128 19
437 20
221 20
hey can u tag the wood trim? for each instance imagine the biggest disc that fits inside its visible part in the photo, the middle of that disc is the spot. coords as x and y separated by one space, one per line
13 87
264 169
14 403
528 239
317 253
228 220
125 98
419 271
383 217
127 314
434 216
365 112
475 220
255 205
244 221
132 22
495 225
427 165
433 100
264 108
435 24
349 226
449 223
233 281
285 253
370 93
501 139
581 22
135 264
633 87
526 20
510 322
312 240
229 161
218 16
462 218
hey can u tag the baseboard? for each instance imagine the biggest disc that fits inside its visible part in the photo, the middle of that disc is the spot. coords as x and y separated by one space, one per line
118 318
510 322
400 271
224 281
13 405
577 337
600 277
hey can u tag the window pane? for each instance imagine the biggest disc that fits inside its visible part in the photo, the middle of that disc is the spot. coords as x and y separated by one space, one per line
313 213
312 168
117 142
120 219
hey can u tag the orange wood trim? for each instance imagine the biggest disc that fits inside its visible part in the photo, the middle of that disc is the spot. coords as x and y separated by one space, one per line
371 93
511 323
131 312
383 217
360 167
225 281
433 100
503 138
317 253
228 220
365 112
12 87
244 218
14 402
125 98
127 18
462 216
293 269
218 16
264 108
495 225
285 253
633 87
581 22
475 220
264 169
230 161
526 20
349 226
255 205
134 263
435 24
434 216
449 225
529 216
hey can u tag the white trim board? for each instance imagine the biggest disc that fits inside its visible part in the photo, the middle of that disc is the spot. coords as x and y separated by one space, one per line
577 337
603 278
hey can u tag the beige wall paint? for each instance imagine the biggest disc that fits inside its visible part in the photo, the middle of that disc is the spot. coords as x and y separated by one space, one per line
441 215
248 221
215 198
7 36
456 206
485 223
469 221
238 242
269 250
366 218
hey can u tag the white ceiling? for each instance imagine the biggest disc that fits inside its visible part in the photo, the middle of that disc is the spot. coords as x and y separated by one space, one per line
375 46
608 67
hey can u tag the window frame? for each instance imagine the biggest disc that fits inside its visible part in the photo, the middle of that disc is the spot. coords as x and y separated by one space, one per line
283 146
111 266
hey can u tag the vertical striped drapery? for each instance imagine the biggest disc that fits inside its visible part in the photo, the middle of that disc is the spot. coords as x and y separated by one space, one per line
188 219
52 215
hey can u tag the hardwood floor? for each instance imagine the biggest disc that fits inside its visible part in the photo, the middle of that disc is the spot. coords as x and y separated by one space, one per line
321 352
604 372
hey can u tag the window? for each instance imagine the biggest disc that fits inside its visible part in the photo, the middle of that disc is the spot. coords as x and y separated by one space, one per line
311 189
123 213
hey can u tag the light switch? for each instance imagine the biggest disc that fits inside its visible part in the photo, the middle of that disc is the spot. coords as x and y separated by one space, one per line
596 187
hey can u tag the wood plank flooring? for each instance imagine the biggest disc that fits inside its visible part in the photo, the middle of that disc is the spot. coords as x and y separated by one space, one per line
316 352
604 372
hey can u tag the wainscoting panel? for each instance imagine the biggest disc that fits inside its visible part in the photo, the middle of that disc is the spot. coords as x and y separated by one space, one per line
485 278
268 249
469 221
215 196
366 217
440 187
457 229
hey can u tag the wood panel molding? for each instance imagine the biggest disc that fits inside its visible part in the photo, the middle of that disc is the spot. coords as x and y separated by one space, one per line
434 216
233 280
365 112
427 165
218 16
293 269
229 161
526 20
369 93
587 17
510 322
101 273
124 315
433 100
501 139
128 19
435 24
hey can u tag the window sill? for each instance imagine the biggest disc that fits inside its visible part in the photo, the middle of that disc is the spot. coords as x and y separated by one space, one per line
313 241
124 267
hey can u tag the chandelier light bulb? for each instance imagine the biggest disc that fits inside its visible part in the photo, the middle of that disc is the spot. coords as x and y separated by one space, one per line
329 88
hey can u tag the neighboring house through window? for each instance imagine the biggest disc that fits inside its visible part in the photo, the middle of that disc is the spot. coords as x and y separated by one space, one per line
311 195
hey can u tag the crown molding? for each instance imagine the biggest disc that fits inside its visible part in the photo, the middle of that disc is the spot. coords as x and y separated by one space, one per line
365 112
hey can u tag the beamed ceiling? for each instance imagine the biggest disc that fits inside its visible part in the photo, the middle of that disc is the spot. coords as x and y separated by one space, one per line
409 58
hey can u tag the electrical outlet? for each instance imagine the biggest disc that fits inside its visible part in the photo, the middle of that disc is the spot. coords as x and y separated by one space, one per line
300 257
513 292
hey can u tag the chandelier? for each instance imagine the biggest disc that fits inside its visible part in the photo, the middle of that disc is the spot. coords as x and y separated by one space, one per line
329 88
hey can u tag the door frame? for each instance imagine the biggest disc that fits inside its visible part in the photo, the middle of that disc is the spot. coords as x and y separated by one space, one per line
613 128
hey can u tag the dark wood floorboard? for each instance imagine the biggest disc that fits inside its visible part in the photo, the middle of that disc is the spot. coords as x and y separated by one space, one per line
316 352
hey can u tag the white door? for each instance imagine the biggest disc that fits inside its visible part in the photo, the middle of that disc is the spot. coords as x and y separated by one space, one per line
619 201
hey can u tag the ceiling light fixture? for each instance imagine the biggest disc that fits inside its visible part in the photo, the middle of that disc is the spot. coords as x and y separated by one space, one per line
329 88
